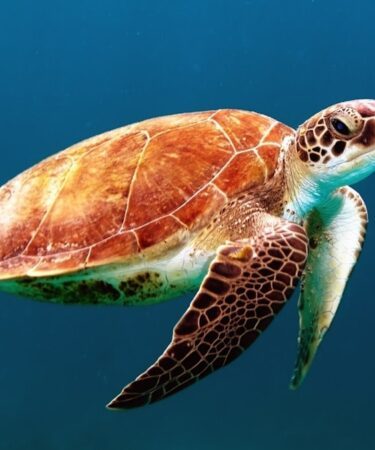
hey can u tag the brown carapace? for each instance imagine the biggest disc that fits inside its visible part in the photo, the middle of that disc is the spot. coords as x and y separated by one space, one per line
125 193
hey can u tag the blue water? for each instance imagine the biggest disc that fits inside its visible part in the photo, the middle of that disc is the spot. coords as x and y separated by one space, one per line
71 69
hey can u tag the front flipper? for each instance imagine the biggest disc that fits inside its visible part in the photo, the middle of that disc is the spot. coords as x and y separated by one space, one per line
336 232
247 283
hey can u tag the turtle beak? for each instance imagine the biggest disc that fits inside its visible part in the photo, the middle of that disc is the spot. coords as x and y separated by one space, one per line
358 160
366 108
364 143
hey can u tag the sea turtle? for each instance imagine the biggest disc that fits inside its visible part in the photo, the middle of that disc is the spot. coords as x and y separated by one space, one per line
231 203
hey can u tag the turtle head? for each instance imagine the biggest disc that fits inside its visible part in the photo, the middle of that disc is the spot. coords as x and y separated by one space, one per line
333 148
338 144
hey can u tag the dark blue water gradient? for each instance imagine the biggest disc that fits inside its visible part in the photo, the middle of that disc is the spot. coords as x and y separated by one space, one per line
71 69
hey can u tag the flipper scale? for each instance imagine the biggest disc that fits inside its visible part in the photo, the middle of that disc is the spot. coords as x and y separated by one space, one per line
238 299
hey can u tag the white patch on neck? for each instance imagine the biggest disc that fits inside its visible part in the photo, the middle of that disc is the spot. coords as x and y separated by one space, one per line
306 188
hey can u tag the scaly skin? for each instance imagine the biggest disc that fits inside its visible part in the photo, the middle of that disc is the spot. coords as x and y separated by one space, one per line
320 159
247 284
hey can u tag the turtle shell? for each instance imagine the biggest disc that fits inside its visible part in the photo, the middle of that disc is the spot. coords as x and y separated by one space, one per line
133 191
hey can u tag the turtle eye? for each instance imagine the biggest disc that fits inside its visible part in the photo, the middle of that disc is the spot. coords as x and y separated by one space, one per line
345 123
340 127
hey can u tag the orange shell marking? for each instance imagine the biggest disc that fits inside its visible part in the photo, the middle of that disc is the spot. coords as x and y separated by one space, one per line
110 197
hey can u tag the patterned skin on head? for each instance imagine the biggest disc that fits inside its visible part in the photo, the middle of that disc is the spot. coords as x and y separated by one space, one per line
323 139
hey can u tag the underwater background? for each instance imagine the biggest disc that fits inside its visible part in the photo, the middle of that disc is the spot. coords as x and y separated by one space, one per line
72 69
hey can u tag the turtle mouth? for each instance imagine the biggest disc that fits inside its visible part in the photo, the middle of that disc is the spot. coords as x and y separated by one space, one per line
366 156
357 168
358 157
